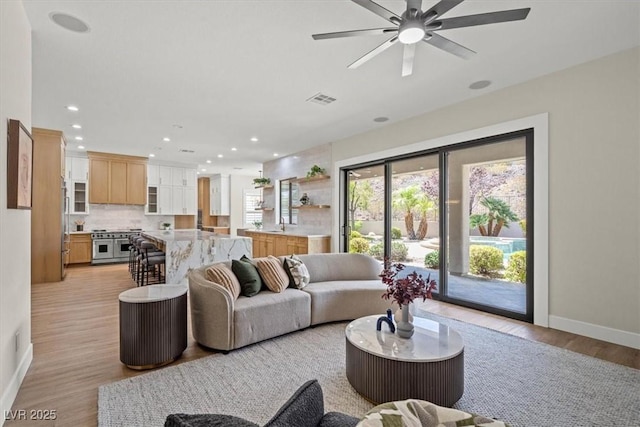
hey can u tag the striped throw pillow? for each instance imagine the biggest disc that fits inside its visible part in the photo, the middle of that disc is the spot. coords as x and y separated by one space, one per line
223 276
272 273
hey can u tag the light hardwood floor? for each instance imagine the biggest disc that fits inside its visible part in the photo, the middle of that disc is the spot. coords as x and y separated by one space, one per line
75 336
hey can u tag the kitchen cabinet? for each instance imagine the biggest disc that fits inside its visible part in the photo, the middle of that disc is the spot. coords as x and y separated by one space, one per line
220 199
183 177
153 175
80 248
277 244
167 193
183 200
164 175
76 177
117 179
47 207
165 200
76 169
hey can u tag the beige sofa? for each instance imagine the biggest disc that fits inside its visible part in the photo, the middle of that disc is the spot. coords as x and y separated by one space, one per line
342 287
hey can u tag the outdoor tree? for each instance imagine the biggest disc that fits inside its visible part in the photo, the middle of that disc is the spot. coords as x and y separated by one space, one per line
499 215
485 179
407 200
360 193
425 205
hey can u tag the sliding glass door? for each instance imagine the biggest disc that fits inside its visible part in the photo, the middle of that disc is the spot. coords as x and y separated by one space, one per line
459 213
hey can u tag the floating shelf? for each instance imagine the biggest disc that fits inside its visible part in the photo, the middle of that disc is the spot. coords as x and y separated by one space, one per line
311 179
264 187
311 207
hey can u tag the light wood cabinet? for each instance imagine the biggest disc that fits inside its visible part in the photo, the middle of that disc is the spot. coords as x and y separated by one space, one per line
80 248
220 198
117 179
275 244
47 207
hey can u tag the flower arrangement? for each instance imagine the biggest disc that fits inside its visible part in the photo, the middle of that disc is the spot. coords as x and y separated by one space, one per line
405 289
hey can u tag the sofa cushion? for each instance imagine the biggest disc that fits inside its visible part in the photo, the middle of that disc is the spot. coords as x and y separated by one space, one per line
338 419
341 266
414 412
346 300
304 408
268 314
247 274
272 273
222 275
206 420
296 270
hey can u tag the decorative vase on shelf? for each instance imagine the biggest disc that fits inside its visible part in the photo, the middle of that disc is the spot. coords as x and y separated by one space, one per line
404 327
305 199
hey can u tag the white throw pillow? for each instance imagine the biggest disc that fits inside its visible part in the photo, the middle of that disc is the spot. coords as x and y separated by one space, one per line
298 272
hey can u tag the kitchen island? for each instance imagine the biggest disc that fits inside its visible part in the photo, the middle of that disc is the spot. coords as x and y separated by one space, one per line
188 249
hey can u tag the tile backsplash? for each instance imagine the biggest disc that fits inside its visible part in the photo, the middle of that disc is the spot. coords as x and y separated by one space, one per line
119 217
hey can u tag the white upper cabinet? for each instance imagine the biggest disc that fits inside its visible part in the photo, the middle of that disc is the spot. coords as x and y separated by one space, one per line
183 177
220 198
164 173
77 169
153 175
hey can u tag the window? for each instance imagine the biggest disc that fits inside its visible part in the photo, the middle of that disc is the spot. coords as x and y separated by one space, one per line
250 207
288 193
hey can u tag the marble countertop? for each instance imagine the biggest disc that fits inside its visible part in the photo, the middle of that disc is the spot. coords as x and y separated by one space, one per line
431 341
189 235
80 232
294 233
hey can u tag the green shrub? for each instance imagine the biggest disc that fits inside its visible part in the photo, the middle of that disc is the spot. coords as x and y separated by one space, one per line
399 251
357 225
517 268
523 226
432 259
358 245
355 235
396 233
485 260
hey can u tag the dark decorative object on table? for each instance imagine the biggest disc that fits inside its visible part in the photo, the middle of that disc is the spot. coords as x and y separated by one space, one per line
388 319
404 290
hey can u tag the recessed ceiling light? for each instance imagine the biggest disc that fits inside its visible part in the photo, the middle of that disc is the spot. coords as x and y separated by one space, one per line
69 22
72 108
152 155
480 84
76 126
165 139
80 147
220 156
208 161
234 149
380 119
79 138
275 154
254 139
203 170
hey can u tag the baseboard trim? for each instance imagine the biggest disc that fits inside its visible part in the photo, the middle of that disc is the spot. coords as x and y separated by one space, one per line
603 333
9 395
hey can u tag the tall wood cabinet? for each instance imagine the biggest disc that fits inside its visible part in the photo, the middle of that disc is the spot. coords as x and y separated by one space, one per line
117 179
48 242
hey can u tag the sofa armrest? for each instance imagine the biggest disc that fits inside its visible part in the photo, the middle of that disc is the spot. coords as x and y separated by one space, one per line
212 309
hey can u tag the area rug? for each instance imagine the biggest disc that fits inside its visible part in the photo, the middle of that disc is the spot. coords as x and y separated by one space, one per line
521 382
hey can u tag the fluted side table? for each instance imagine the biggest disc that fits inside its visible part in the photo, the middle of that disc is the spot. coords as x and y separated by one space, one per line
383 367
153 325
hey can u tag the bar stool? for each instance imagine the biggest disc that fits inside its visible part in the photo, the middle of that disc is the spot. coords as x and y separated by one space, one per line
150 259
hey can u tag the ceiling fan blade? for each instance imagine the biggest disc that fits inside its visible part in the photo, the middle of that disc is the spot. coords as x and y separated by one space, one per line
379 10
480 19
384 46
439 9
447 45
407 59
354 33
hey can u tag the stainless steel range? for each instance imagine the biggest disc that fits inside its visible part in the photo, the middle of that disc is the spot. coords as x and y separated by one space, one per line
110 246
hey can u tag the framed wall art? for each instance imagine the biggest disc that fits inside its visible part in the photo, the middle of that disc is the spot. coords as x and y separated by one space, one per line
19 166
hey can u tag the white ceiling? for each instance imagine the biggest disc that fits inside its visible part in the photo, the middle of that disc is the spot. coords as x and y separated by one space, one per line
226 71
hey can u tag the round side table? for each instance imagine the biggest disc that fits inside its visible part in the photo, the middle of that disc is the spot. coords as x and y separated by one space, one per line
153 325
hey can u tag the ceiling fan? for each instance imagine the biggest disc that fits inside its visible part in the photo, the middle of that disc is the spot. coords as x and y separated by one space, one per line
414 26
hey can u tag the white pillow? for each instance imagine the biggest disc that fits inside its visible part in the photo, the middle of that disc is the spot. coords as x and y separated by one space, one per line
298 272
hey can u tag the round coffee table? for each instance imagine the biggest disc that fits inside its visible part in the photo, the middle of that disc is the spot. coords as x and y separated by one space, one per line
153 325
383 367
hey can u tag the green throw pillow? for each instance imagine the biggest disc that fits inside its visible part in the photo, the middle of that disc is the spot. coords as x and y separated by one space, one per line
247 274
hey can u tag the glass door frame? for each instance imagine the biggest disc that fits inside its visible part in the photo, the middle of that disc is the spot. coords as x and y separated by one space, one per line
442 151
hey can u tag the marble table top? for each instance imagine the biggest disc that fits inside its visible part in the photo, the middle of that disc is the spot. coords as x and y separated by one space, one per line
152 293
431 341
189 235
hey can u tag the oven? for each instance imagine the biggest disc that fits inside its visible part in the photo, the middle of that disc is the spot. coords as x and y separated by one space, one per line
102 251
121 248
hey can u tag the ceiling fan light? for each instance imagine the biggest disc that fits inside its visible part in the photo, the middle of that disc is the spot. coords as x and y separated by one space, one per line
411 32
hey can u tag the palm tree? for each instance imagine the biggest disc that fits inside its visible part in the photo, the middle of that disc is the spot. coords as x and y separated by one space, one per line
406 200
425 205
480 222
499 215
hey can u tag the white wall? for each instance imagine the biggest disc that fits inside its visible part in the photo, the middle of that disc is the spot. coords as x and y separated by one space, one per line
15 225
594 183
237 185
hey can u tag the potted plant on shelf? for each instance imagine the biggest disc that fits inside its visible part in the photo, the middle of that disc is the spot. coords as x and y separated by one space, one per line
261 181
79 224
257 225
403 290
315 171
166 225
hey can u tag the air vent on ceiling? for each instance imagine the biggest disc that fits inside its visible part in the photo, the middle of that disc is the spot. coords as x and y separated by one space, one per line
184 150
322 99
238 169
